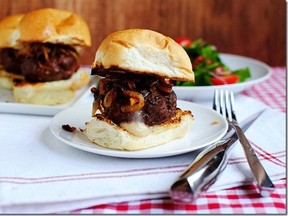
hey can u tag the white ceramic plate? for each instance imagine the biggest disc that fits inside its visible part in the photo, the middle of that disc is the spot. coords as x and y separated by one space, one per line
8 105
203 132
259 72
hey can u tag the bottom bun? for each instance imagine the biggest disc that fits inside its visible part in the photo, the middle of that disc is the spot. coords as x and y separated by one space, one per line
50 93
7 80
105 133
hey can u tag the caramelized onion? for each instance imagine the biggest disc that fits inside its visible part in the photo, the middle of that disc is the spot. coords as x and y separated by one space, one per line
102 86
131 94
131 85
48 51
94 90
110 97
165 87
132 108
133 101
95 107
136 101
101 107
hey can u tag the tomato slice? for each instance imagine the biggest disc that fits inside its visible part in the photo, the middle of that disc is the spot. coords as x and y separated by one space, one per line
224 80
184 41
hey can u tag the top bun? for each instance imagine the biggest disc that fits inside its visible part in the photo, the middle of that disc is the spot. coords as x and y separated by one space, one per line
9 31
144 51
54 26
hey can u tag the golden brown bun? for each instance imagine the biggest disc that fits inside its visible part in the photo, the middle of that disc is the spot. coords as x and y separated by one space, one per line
9 32
107 134
50 93
7 80
144 51
54 26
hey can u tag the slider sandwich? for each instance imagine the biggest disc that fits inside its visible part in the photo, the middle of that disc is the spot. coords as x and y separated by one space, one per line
49 42
134 105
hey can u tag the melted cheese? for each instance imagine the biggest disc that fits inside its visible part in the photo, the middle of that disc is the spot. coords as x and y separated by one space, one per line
136 128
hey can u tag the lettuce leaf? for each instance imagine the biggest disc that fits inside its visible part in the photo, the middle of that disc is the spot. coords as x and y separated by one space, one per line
203 69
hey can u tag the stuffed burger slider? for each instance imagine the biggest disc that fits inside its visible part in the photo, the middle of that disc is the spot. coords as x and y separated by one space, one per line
134 105
50 42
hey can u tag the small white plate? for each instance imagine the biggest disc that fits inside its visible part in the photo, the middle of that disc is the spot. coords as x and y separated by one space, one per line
259 72
8 105
207 128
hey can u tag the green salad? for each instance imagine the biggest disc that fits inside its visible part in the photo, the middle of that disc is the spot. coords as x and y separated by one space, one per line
207 65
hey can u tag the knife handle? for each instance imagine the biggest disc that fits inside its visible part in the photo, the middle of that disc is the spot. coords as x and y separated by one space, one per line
202 172
265 185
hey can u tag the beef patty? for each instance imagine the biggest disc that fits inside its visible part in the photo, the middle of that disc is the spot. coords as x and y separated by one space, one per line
49 62
125 91
11 60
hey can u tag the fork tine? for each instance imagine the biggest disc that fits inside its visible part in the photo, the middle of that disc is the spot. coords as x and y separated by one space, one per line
222 104
216 101
228 105
214 106
233 106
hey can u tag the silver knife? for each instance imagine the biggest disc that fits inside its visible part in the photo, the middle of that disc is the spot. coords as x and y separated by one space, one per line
206 167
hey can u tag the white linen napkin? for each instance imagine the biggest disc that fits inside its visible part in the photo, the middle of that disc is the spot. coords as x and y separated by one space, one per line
39 174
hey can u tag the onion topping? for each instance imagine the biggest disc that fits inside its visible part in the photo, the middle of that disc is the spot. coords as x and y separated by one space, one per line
95 107
136 101
110 97
165 87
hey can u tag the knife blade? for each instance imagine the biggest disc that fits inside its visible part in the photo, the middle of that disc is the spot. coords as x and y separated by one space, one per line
207 166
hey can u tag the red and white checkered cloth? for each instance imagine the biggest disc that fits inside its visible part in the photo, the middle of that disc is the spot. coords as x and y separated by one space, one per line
233 201
272 92
240 200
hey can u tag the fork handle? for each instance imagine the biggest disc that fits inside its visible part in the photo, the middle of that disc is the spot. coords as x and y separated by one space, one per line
265 184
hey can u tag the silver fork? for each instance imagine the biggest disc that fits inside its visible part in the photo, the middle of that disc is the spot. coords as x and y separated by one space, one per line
224 104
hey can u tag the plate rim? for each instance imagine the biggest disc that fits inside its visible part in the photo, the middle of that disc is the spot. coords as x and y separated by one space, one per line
140 153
